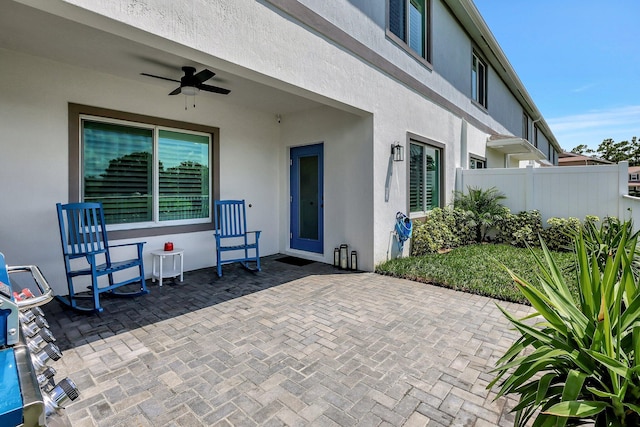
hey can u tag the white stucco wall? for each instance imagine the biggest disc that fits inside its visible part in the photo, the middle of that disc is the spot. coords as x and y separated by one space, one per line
452 49
34 160
366 112
347 140
503 106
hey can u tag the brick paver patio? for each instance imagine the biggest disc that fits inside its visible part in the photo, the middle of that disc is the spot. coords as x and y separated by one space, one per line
287 346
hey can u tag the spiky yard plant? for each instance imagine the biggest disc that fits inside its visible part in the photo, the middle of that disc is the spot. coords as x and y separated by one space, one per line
486 206
604 239
581 361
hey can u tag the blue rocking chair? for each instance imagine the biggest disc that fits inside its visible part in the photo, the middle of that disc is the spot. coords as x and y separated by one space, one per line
84 236
231 235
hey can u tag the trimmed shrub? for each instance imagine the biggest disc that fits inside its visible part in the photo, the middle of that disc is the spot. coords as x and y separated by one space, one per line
432 234
464 227
561 232
521 229
443 228
447 228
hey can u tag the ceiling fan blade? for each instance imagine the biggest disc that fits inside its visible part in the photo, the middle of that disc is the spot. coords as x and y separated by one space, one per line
215 89
176 91
204 75
159 77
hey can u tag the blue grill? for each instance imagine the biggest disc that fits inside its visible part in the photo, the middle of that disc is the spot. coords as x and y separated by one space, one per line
30 395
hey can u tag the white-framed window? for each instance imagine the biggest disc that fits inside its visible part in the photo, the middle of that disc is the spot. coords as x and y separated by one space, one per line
479 80
152 175
408 24
634 177
425 176
145 175
477 163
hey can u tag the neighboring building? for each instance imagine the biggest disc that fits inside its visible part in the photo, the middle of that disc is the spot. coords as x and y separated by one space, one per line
320 92
573 159
634 181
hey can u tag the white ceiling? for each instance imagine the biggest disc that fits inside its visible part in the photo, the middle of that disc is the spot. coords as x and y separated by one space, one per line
28 30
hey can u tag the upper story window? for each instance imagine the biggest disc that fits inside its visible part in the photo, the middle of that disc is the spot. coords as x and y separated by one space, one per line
151 175
408 22
634 177
479 81
525 126
535 136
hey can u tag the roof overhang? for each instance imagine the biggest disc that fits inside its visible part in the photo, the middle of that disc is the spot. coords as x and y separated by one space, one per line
517 148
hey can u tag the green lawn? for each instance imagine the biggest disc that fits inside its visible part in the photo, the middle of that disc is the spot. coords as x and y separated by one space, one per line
478 269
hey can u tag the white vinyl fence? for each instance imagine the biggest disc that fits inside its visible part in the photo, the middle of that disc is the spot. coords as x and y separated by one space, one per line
575 191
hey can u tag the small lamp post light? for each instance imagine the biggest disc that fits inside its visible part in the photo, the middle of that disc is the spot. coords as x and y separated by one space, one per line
336 257
354 260
344 256
397 151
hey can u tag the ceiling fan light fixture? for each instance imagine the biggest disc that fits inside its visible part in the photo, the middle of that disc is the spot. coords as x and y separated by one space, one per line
189 90
192 83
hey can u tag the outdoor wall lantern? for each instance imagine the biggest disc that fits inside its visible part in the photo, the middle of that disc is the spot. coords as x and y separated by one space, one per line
397 151
344 256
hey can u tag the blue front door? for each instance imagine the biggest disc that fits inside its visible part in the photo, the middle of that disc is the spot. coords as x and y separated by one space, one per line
307 198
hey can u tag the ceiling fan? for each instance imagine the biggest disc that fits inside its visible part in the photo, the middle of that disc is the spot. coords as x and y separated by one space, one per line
191 83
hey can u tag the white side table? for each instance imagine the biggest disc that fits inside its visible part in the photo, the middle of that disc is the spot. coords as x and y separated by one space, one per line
157 270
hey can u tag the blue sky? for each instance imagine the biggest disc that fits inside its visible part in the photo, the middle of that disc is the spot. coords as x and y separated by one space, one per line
578 59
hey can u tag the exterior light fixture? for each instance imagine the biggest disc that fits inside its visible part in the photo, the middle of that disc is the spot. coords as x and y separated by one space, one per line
397 151
354 260
336 257
189 90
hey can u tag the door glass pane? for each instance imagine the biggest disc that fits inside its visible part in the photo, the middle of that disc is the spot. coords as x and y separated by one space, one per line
309 212
184 175
117 168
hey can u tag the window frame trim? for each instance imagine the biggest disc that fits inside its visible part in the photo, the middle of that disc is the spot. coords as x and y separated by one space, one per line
525 125
426 59
412 137
75 114
477 158
484 103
